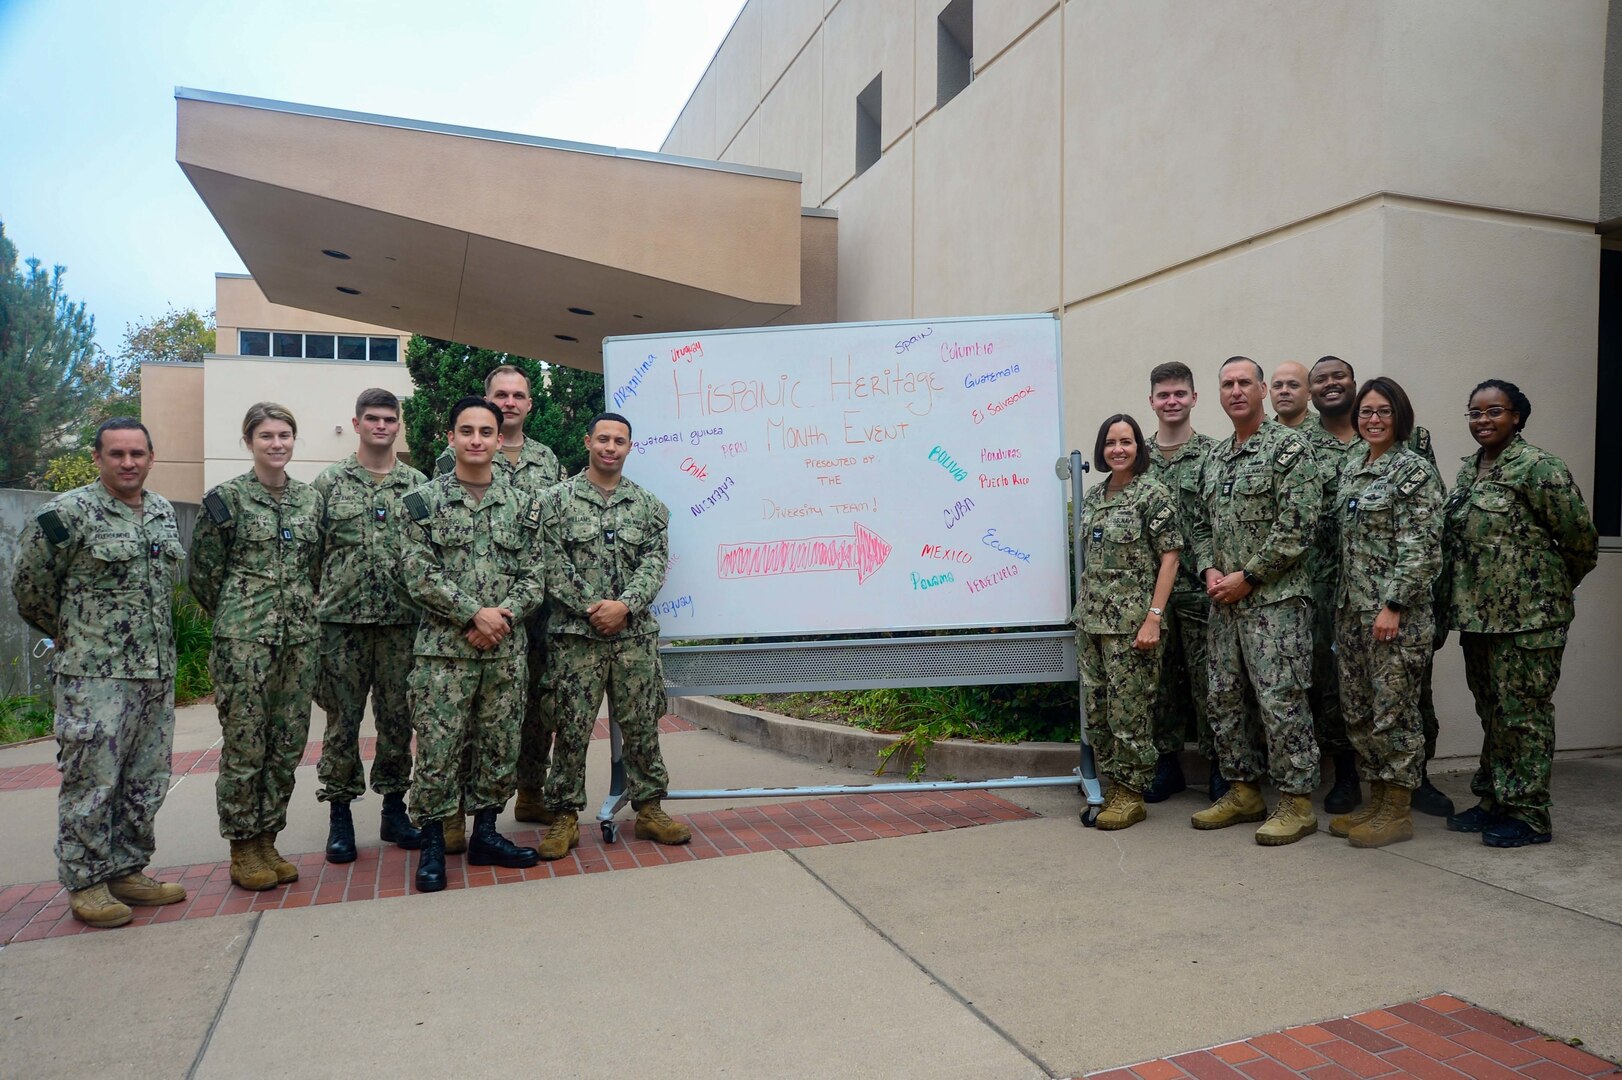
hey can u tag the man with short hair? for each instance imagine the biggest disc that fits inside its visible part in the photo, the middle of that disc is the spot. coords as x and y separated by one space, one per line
471 557
1177 456
1288 392
367 629
96 571
532 467
1331 432
1261 501
607 552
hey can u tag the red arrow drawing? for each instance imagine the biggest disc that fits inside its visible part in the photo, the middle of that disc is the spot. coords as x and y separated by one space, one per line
863 552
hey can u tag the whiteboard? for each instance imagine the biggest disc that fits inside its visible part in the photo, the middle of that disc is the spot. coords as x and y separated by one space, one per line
852 476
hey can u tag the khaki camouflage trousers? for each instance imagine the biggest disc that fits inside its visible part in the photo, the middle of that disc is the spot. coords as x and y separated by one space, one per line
262 693
1121 684
1180 706
1379 694
1260 665
540 717
113 738
628 671
1513 678
465 707
358 659
1328 722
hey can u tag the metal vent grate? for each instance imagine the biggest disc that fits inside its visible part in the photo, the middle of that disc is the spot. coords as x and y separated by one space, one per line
789 667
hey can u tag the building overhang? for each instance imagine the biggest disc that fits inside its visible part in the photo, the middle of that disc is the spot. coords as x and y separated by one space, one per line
508 242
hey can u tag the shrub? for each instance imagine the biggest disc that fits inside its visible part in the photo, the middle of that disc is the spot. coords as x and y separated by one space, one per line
194 635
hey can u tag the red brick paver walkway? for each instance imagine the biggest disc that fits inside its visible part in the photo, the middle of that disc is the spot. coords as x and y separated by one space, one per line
40 910
186 762
1437 1038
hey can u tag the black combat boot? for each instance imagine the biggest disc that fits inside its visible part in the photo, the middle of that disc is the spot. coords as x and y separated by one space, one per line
1430 799
486 847
431 861
396 828
1168 779
340 834
1217 785
1347 791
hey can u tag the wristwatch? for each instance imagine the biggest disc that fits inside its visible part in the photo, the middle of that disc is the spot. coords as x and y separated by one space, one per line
1252 580
1397 607
1157 612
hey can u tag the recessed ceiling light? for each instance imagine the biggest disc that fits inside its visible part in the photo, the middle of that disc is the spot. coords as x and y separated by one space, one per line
333 253
565 337
347 291
581 311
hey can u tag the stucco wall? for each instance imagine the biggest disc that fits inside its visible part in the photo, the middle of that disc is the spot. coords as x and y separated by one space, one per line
172 409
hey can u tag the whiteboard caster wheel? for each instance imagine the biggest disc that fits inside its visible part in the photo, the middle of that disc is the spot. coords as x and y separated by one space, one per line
611 832
1089 815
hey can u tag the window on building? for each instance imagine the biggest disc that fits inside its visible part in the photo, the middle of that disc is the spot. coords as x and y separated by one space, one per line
253 343
386 349
289 345
954 50
869 108
351 348
320 346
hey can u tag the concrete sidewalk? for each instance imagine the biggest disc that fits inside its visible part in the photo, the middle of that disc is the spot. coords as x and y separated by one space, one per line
987 943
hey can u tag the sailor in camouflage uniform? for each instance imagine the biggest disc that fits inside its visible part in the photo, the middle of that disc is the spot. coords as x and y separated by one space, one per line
1332 433
607 551
1517 539
255 564
471 558
367 629
532 467
1177 456
1390 553
1130 541
1262 500
96 571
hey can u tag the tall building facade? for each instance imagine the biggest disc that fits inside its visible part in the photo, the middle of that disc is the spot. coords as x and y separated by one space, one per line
1413 185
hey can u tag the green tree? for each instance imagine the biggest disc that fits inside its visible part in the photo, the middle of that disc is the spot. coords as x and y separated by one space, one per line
443 372
73 469
50 370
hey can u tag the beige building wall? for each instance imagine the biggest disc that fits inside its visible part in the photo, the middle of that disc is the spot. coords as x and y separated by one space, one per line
319 393
172 409
195 410
1411 184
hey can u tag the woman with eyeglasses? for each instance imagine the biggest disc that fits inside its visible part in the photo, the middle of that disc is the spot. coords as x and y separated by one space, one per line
1389 510
1517 538
1130 541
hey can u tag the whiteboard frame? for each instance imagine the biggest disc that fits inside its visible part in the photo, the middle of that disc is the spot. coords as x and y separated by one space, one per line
1058 405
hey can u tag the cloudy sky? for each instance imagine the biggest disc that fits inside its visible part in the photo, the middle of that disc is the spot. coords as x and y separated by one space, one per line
88 178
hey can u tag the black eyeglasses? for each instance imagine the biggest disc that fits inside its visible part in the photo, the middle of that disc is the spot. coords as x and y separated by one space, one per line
1369 412
1495 413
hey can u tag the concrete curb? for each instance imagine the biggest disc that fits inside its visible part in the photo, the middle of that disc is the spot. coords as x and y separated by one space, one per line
855 748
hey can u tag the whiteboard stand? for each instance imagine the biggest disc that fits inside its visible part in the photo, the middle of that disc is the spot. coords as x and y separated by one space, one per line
867 663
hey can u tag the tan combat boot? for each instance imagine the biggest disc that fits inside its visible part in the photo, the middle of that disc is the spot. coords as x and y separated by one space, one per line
1241 803
248 869
286 873
1292 819
95 906
1393 823
652 823
141 890
1123 809
531 807
563 835
1341 824
456 833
